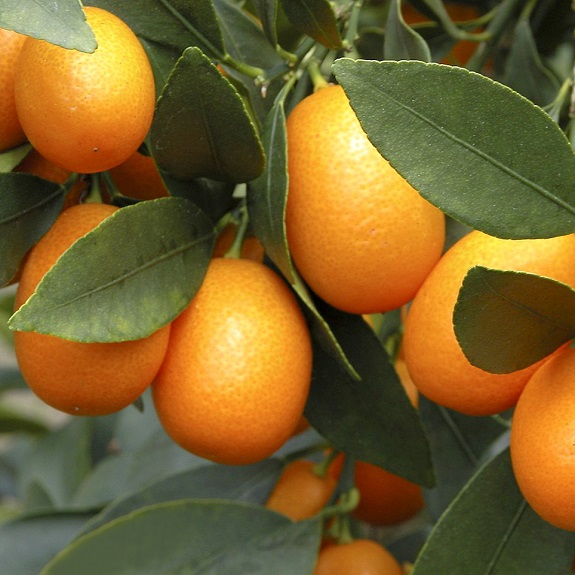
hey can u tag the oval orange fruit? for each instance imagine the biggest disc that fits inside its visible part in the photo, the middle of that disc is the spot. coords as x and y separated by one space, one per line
543 440
433 357
237 372
81 378
86 112
361 237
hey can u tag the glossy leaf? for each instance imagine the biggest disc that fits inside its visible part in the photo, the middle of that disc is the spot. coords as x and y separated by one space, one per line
28 542
365 418
175 23
61 22
482 153
525 71
267 194
316 18
161 250
507 320
490 530
249 483
28 208
401 42
201 126
458 443
190 536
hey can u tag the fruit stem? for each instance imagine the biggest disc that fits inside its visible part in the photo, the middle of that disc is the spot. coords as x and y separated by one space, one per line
320 469
95 194
315 74
243 68
346 503
235 250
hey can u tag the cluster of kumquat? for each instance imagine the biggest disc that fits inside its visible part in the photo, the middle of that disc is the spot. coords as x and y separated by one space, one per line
231 374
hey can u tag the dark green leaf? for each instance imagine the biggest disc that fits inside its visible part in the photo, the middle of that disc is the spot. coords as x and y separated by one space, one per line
490 529
61 22
29 542
525 71
243 38
481 152
267 194
161 250
177 24
401 42
458 443
214 198
316 18
507 320
58 463
250 483
28 207
201 126
267 12
365 418
188 537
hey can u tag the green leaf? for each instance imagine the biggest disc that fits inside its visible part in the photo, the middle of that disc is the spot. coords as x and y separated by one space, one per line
458 443
482 153
507 320
316 18
267 194
490 529
126 472
525 72
161 251
28 207
244 38
201 126
61 22
249 483
58 463
176 24
365 418
267 12
188 537
29 542
401 42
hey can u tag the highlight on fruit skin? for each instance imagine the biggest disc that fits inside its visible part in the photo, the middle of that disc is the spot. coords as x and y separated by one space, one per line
360 235
73 377
237 372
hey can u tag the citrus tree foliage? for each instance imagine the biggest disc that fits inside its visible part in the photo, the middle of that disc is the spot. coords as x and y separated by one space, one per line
484 135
